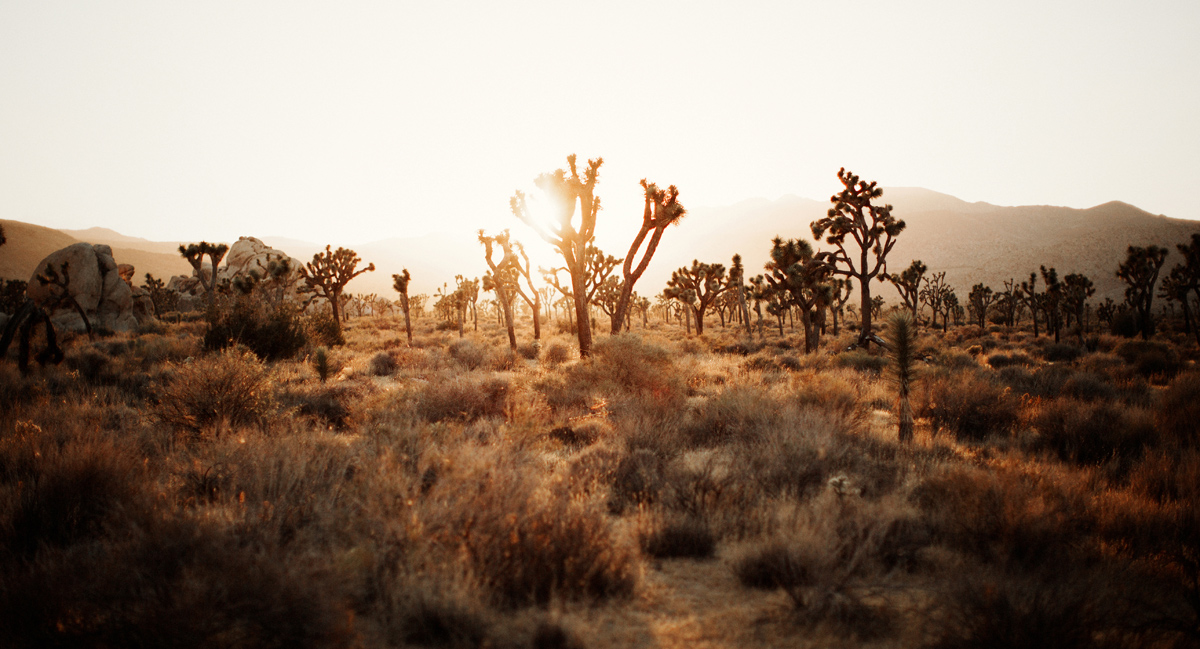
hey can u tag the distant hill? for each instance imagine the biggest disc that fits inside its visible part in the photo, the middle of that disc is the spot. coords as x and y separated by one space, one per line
971 242
29 244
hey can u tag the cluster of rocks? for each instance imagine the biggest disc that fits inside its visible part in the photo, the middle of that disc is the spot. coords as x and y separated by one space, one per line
106 293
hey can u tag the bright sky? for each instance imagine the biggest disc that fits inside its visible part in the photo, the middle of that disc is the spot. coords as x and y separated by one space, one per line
347 122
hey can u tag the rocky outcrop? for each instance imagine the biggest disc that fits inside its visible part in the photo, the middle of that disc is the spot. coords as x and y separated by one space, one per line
94 282
247 255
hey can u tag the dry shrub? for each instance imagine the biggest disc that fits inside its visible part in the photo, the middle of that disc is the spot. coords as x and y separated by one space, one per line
556 354
61 492
638 480
217 392
827 560
1167 476
1091 433
674 537
738 413
172 583
1061 352
463 398
967 404
1150 358
525 541
1178 412
383 364
998 361
469 353
862 361
1088 386
329 406
1006 517
1014 612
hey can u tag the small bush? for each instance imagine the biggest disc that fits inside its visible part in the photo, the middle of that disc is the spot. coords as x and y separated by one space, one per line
1149 357
969 406
468 353
323 330
383 364
271 332
463 399
998 361
638 480
530 350
328 406
1088 386
738 413
216 393
1091 433
556 354
1061 352
771 566
686 537
1178 411
862 361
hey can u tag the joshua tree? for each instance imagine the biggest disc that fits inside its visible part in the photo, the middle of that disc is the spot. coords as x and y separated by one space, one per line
737 277
1175 287
1187 277
21 326
194 254
607 297
327 275
797 273
61 280
980 298
502 279
1052 302
901 338
400 283
565 193
1076 289
162 299
908 284
1032 299
705 281
873 230
662 209
841 290
760 291
1140 272
950 306
533 298
1009 302
933 294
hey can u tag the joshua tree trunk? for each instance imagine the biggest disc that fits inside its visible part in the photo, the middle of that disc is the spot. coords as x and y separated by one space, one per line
583 320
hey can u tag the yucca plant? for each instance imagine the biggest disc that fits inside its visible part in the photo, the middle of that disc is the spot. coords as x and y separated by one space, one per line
901 339
321 364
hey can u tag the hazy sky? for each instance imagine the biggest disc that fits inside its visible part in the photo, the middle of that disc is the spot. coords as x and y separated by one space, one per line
345 122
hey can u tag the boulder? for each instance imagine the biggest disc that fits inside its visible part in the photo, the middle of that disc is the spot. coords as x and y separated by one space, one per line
95 283
246 255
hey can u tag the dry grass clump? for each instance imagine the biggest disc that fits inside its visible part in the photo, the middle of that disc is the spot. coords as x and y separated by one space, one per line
383 364
463 398
1091 433
998 361
674 537
527 541
556 353
469 353
1178 412
216 393
737 413
327 406
1152 359
967 404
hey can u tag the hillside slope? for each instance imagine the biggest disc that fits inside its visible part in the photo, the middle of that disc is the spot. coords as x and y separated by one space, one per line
28 244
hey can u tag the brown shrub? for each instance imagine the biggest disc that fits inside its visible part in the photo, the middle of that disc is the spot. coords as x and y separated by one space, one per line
968 405
1091 433
463 398
1178 412
216 393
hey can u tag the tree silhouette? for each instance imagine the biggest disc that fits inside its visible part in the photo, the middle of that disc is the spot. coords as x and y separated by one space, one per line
1052 302
1009 302
933 295
1185 280
328 273
908 284
565 193
502 278
873 231
1032 299
533 298
662 208
760 291
194 254
162 299
841 290
737 278
795 272
705 281
1140 272
400 283
1076 289
980 298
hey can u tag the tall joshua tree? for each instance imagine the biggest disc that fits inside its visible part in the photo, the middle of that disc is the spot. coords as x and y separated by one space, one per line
1140 272
980 298
798 273
1032 299
737 278
565 193
533 298
934 293
871 228
1076 289
328 273
400 283
662 209
194 254
908 284
705 281
502 279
